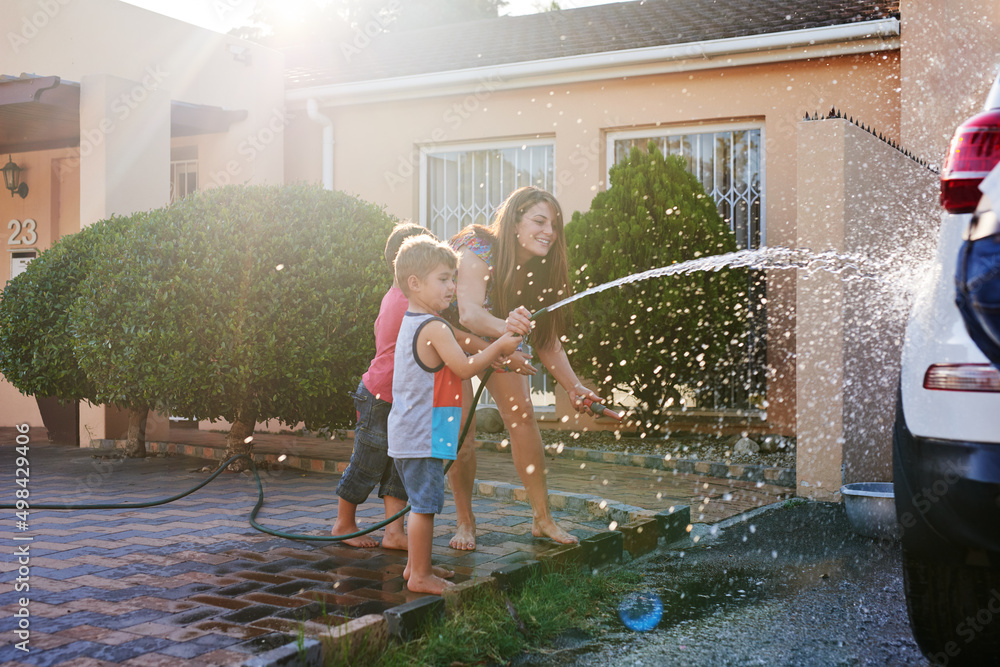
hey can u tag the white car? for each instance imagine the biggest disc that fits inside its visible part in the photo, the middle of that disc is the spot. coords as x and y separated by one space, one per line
946 439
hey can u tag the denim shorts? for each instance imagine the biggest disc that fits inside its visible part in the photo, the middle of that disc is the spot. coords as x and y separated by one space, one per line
370 463
424 481
977 293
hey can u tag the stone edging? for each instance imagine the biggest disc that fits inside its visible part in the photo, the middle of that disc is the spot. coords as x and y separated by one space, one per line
741 472
402 622
216 454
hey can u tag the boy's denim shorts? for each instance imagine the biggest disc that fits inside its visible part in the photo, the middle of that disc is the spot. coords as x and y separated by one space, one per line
977 293
424 480
370 463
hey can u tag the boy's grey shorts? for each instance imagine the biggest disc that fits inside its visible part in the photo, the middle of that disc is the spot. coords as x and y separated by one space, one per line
424 482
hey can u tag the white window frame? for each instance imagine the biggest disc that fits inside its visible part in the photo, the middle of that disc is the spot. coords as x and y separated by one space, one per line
426 151
696 128
183 167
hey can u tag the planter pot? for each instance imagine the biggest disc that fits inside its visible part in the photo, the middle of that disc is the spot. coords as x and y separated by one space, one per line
61 420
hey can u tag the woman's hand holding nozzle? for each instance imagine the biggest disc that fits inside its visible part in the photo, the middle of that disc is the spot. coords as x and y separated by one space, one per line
519 321
579 395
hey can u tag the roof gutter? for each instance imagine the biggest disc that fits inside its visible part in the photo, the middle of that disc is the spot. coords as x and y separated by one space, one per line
810 43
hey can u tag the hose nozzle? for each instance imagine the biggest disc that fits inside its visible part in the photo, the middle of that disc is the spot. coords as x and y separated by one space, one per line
600 410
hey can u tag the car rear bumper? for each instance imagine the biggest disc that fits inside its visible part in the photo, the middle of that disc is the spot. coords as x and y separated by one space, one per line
947 496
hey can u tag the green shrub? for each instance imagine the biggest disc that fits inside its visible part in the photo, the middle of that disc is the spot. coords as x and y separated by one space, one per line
36 345
664 337
245 302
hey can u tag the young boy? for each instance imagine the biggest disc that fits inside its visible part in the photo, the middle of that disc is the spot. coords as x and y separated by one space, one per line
426 415
370 463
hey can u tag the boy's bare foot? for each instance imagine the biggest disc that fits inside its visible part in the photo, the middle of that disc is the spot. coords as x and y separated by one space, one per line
362 541
394 540
548 528
435 570
432 584
465 538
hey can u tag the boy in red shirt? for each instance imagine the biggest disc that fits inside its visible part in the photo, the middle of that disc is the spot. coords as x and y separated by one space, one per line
370 463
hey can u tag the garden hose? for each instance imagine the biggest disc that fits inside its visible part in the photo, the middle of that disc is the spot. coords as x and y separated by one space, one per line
595 407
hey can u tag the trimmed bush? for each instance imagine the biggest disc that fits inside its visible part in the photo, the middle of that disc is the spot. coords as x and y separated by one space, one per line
244 302
36 345
666 337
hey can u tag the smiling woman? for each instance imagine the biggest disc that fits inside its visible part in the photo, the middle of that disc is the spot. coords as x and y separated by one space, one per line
516 265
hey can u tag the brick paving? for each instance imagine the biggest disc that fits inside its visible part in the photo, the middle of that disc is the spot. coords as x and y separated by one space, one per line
191 582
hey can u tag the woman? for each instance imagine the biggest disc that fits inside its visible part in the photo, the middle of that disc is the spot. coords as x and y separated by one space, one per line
516 265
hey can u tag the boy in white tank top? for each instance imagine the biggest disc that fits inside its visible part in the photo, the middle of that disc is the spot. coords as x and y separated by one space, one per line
425 420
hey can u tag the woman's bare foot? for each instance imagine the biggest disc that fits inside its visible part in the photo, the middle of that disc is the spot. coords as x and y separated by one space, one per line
433 584
465 538
435 570
362 541
550 529
394 540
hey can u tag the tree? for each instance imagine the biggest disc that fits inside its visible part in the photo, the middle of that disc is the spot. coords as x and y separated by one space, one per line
280 24
36 345
667 337
245 302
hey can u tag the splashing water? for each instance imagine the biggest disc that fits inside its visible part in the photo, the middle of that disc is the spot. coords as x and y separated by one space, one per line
888 272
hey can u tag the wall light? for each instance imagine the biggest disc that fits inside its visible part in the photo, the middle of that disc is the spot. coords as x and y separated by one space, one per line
12 178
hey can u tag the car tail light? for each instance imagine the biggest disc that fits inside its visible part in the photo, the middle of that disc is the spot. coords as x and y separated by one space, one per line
974 151
962 377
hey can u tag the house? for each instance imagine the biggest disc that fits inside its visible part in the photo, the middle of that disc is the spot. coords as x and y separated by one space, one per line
110 109
440 124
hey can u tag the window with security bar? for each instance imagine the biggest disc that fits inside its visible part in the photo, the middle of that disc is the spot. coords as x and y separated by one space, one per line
729 163
464 185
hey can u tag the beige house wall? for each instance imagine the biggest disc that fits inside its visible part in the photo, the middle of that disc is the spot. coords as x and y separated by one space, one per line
866 201
376 149
950 57
131 64
48 181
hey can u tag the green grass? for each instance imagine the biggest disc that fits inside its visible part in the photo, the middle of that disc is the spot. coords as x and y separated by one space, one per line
486 631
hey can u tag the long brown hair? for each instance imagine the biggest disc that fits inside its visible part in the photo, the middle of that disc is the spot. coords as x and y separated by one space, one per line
545 279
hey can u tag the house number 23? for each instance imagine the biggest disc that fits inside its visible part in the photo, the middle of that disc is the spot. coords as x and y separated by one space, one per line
23 234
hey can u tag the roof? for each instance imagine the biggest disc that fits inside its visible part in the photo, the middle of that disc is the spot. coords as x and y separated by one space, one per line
43 112
570 32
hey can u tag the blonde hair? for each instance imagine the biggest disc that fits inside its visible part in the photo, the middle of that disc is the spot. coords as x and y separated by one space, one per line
419 255
400 233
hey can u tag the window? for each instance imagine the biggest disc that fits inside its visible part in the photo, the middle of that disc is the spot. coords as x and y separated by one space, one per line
729 163
462 185
183 171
